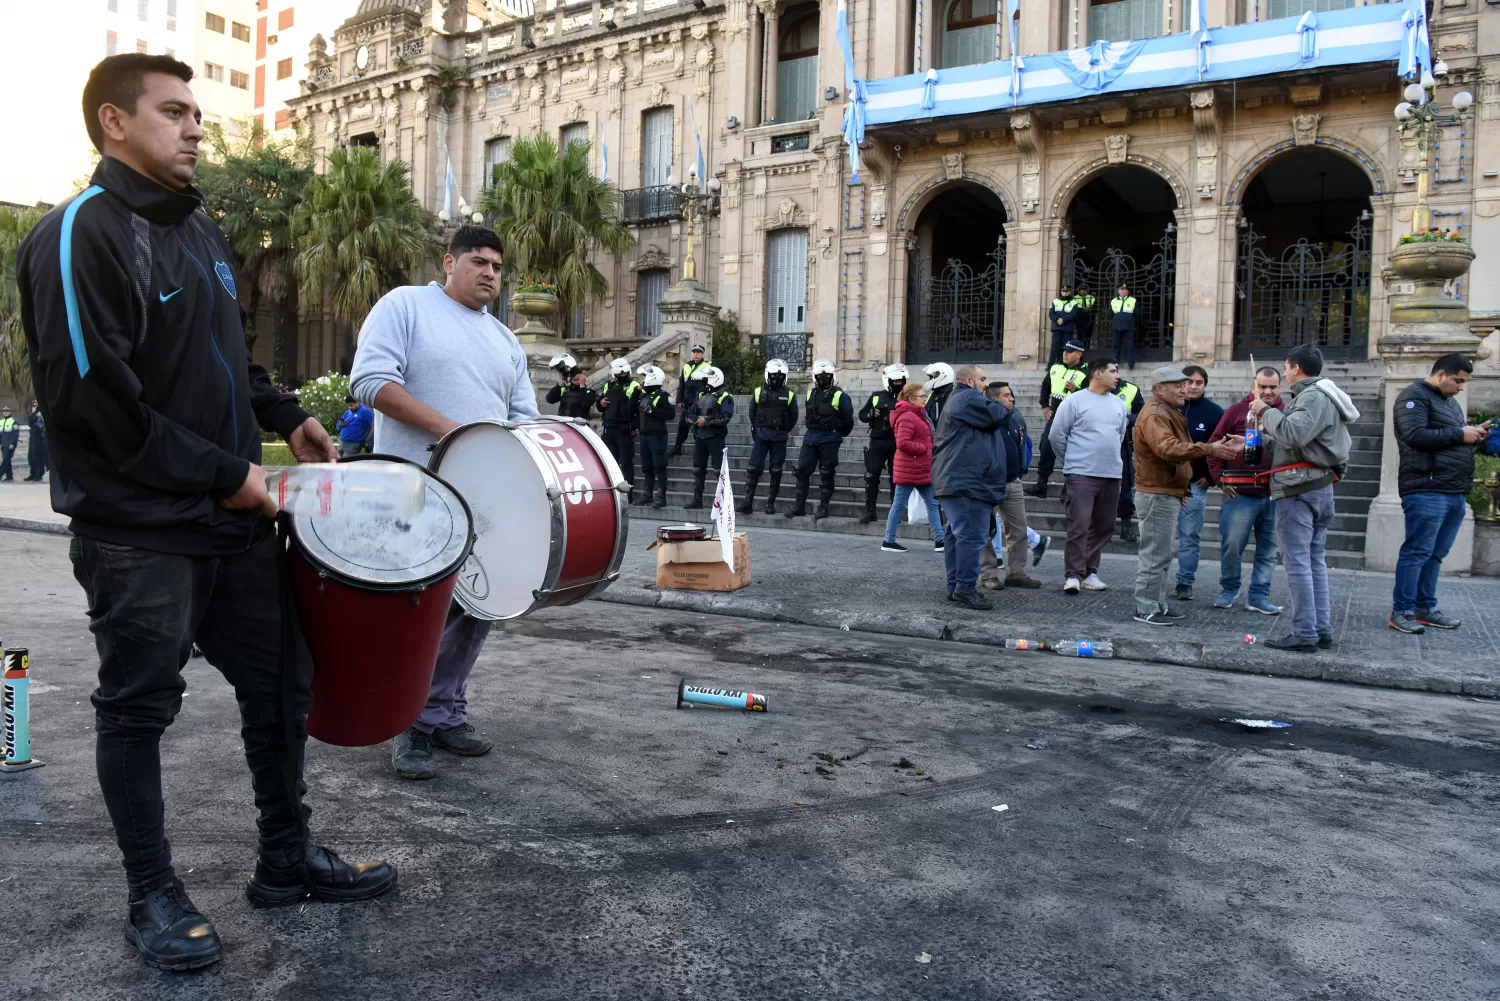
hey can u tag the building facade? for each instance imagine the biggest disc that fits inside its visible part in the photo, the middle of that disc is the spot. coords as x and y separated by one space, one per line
1245 215
281 30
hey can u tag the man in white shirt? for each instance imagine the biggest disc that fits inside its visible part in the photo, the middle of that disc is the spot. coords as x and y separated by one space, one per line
430 359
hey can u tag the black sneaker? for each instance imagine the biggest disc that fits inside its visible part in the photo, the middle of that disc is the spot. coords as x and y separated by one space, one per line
1035 490
1406 623
1040 549
1292 641
1438 620
461 739
1325 641
412 755
170 933
971 599
317 874
1153 619
1184 592
892 547
937 547
1172 614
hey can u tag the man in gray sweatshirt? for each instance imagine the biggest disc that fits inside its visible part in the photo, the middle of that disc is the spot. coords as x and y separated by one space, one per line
432 359
1086 433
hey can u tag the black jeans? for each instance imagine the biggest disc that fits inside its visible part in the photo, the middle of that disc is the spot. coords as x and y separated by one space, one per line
654 457
708 454
880 456
1046 460
146 610
620 440
761 450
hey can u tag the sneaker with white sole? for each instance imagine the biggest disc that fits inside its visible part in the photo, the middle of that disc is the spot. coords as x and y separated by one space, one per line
1070 586
1093 583
1263 607
892 547
1153 619
1226 599
937 547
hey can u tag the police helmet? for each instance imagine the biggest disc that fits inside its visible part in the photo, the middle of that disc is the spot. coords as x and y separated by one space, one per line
619 367
823 367
894 373
713 377
776 367
563 362
939 374
651 376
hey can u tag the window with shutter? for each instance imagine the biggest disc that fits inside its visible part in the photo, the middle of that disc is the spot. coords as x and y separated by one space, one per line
656 138
496 152
969 33
797 64
786 281
1296 8
578 132
650 287
1123 20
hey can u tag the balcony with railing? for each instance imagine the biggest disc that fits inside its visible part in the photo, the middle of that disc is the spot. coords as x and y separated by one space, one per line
646 206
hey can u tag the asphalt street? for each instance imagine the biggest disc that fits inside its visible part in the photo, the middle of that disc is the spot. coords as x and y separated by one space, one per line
844 845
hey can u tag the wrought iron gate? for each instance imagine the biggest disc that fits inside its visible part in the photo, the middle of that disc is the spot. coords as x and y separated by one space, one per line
1154 285
1313 293
957 315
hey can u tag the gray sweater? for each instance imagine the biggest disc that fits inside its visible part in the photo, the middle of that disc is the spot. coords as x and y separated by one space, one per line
463 363
1086 433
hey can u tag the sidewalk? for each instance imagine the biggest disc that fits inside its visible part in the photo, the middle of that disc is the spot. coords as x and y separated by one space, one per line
28 507
846 582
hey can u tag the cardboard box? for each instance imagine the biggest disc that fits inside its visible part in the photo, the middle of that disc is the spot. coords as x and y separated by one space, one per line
700 566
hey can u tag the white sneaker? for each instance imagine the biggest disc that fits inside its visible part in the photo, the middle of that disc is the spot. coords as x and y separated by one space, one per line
1070 586
1093 583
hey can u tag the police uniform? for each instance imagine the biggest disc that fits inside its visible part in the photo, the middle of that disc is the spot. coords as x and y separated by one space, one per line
573 401
829 417
688 390
10 438
1060 381
1123 312
880 453
656 413
773 414
936 400
1062 320
716 407
620 405
1084 312
1130 395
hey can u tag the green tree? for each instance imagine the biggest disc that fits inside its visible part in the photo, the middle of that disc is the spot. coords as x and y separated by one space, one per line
252 186
359 232
15 364
551 214
742 364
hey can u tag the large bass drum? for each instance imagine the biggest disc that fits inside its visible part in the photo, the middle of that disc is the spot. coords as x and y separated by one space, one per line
373 595
549 513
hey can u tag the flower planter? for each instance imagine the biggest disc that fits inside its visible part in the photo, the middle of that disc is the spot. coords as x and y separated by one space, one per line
536 307
1430 265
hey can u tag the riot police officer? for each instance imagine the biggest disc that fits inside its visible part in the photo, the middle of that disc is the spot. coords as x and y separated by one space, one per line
1063 378
656 411
712 412
939 385
688 388
572 394
773 414
620 405
1129 394
829 417
1062 320
880 453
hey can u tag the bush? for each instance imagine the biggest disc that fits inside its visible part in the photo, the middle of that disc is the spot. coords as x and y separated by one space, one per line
740 362
1479 497
323 397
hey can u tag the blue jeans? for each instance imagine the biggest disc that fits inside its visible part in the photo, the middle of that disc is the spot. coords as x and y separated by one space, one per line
1432 523
968 530
898 508
1190 534
1239 518
1302 529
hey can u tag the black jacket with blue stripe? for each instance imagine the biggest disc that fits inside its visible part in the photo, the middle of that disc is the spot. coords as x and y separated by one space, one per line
153 407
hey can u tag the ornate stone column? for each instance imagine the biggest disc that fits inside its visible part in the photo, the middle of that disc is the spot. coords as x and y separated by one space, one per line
771 52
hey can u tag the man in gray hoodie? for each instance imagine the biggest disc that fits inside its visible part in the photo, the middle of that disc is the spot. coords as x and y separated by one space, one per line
1312 451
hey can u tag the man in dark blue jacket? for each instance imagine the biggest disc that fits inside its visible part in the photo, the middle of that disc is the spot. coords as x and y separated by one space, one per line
1203 416
154 412
968 478
1436 444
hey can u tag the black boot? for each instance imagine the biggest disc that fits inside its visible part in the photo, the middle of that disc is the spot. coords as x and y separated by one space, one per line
799 506
316 873
771 496
1038 489
825 492
1128 532
169 933
661 494
872 491
698 477
747 503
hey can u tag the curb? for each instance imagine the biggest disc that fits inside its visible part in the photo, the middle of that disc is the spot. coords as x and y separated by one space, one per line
29 525
992 631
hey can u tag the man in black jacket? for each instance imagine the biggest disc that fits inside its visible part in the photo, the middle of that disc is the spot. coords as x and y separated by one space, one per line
773 414
711 414
829 417
131 312
1436 445
656 412
620 404
575 398
880 453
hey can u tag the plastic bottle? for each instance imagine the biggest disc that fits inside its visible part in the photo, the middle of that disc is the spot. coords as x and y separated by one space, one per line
368 489
1026 645
1084 648
1252 441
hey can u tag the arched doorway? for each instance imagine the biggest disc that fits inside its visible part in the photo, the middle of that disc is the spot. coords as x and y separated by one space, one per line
1302 274
1120 230
955 306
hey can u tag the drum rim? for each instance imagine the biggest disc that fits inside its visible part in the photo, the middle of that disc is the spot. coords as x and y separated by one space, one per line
421 584
617 487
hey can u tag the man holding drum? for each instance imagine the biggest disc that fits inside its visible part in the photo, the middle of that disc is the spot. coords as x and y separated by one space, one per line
154 412
432 358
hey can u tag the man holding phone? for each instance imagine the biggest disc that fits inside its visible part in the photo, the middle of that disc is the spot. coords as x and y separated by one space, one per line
1437 445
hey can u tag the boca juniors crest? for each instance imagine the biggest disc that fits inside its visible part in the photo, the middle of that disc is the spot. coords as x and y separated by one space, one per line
226 278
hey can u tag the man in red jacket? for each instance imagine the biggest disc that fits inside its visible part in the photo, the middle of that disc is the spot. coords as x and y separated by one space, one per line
1247 509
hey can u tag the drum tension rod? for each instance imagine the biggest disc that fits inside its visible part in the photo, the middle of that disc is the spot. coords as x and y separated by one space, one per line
548 592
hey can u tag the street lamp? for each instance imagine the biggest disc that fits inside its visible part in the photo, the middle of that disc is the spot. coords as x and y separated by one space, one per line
1423 120
695 199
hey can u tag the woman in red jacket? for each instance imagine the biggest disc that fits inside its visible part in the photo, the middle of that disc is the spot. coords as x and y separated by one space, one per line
913 465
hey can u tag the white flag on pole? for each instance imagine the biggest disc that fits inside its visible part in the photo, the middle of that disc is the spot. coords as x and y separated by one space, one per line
723 512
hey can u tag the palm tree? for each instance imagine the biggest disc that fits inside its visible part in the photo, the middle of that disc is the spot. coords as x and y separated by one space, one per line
15 366
252 188
551 213
359 232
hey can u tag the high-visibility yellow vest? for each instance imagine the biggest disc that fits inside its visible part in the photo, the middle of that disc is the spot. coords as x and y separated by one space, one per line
1060 374
1127 392
1125 305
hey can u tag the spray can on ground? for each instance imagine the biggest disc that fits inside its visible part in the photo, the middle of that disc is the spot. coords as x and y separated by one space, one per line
724 698
15 704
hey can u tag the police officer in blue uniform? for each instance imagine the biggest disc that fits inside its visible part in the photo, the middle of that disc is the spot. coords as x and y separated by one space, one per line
1062 320
773 414
688 388
829 417
880 453
620 405
711 414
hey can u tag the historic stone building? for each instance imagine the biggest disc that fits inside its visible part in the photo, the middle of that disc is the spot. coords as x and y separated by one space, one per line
1246 214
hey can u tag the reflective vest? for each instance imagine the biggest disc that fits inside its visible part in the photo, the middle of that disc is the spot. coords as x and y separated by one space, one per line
691 369
1125 305
1060 374
1065 305
824 415
1127 392
774 413
655 399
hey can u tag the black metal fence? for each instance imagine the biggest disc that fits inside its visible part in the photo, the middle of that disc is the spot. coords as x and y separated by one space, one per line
1311 293
1153 283
958 314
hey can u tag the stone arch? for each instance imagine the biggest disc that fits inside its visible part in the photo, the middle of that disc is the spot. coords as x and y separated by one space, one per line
929 189
1258 160
1088 171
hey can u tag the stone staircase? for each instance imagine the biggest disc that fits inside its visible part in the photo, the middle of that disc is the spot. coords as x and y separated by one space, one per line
1352 497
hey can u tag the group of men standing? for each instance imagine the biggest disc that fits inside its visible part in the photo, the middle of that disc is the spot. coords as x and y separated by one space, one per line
1071 317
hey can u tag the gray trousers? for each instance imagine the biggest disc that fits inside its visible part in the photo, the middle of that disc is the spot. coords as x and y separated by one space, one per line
1012 514
448 702
1302 530
1157 514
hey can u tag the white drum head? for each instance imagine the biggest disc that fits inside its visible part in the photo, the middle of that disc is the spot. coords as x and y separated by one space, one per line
496 474
389 552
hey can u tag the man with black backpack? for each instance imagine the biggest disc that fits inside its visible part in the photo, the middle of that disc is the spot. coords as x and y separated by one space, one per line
830 418
773 414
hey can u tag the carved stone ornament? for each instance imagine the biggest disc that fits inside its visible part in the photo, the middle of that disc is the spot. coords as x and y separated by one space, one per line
499 127
1206 139
658 95
953 166
787 214
1115 147
652 257
877 205
1305 129
576 113
1028 143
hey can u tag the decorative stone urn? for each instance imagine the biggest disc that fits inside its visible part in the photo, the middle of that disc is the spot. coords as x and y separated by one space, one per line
535 306
1430 264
